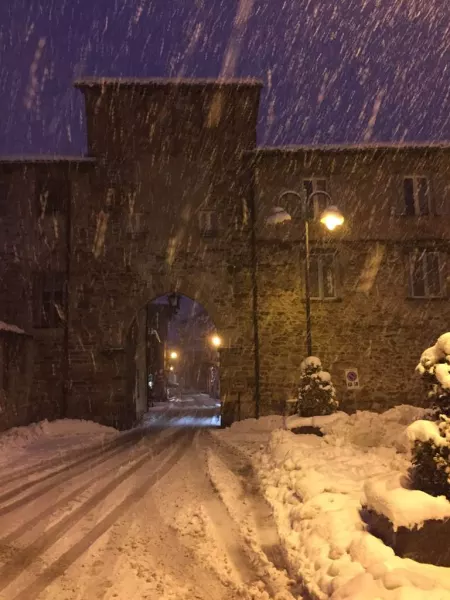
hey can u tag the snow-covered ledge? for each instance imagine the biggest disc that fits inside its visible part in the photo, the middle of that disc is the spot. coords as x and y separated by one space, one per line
295 421
403 507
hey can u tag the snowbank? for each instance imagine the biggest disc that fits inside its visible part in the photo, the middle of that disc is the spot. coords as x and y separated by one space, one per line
264 424
320 422
63 434
365 428
317 487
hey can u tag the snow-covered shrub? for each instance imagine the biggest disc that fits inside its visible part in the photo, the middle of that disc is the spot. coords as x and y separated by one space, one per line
434 367
316 393
430 471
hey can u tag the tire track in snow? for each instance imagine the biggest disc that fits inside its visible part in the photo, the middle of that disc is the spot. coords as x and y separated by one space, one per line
258 510
100 450
67 499
227 530
26 556
59 566
58 477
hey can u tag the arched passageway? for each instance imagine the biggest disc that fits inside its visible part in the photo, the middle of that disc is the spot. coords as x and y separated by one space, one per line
174 363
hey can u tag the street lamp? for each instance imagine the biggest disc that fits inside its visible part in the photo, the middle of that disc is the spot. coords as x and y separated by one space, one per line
331 218
216 341
174 355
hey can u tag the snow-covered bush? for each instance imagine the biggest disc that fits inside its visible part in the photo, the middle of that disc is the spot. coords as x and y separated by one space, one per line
430 471
316 393
434 367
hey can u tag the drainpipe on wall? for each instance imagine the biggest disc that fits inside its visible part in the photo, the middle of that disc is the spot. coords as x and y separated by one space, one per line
254 271
65 366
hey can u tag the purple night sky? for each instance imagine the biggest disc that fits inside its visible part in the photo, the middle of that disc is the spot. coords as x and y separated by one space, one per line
334 70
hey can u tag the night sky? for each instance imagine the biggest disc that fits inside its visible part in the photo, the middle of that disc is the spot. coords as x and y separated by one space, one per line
334 70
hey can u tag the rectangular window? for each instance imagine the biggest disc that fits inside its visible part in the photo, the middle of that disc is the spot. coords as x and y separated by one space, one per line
49 299
322 274
52 194
318 203
416 193
425 274
4 194
208 223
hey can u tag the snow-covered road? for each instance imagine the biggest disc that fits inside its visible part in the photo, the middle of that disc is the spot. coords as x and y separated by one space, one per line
135 516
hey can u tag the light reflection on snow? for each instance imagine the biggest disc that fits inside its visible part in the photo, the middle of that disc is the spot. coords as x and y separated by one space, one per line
194 410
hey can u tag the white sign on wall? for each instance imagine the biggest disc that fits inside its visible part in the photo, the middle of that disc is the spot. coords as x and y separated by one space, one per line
352 378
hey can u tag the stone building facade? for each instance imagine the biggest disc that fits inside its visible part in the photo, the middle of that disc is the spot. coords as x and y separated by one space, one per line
173 197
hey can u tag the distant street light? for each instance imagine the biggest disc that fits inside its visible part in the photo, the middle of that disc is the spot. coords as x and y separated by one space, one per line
216 341
331 218
174 355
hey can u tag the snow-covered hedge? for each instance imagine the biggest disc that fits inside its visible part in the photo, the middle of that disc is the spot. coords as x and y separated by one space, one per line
430 470
317 488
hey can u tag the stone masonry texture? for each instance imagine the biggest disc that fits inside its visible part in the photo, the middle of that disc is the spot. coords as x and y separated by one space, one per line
160 154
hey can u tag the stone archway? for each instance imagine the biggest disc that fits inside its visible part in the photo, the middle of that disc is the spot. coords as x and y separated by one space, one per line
172 360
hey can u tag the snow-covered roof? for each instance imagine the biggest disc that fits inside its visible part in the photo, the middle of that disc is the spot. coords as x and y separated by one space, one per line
44 158
164 82
354 147
11 328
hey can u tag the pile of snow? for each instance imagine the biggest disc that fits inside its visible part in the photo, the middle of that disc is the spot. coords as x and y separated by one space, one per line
264 424
317 487
66 433
369 429
321 422
403 507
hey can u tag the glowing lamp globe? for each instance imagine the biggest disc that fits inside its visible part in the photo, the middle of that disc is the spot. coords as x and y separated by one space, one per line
216 341
332 218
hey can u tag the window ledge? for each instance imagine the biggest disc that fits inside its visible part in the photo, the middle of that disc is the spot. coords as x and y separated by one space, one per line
326 300
427 298
406 216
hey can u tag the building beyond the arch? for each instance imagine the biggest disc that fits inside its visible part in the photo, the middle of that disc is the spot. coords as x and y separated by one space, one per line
174 195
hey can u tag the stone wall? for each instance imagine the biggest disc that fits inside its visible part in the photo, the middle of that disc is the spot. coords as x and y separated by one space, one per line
140 238
16 372
373 325
161 155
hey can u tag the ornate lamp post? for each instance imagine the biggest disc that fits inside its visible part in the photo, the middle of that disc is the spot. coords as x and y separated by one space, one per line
331 218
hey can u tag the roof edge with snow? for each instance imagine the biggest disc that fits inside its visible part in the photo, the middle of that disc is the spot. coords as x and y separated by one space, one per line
161 82
352 147
9 328
44 159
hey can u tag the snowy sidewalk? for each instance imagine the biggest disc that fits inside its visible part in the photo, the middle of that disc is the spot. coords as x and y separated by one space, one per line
316 488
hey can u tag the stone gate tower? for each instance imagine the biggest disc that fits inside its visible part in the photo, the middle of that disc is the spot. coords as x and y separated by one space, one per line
163 209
